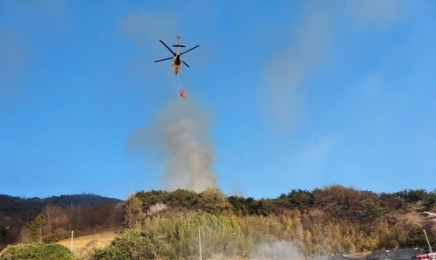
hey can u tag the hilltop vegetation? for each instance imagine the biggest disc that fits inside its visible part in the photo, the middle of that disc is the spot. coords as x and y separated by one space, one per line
37 251
335 220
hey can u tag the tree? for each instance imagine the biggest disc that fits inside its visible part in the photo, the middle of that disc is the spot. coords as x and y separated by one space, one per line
371 210
238 203
35 228
343 203
2 232
152 197
412 195
134 213
184 198
264 207
214 201
299 198
430 201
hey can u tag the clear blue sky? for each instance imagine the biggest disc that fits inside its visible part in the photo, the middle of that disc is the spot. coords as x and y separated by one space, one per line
294 94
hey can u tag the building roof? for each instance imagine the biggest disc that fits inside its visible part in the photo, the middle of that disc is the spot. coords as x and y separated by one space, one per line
402 254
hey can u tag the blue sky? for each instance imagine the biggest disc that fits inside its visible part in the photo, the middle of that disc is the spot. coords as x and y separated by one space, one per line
288 95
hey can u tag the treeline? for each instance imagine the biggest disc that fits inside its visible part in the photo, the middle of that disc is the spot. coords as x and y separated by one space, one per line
329 221
338 202
334 220
56 223
30 207
17 214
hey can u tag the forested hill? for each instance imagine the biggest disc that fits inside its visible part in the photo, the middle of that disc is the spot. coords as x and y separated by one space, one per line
16 213
26 208
334 220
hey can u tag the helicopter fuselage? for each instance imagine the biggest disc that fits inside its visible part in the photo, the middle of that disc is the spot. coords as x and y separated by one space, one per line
177 62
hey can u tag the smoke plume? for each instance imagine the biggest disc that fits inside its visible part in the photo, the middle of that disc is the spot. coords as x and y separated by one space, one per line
181 133
284 74
13 63
377 14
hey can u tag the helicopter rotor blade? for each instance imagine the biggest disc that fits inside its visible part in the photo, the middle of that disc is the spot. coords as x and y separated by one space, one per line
186 64
167 47
163 59
189 49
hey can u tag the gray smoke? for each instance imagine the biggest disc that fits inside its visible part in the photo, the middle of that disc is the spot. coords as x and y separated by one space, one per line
14 60
379 14
158 207
181 134
145 28
276 250
284 74
431 218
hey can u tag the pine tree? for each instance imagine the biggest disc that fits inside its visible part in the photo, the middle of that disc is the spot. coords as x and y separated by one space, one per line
35 228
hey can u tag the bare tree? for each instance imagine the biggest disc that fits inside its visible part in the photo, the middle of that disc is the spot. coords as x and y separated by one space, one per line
134 213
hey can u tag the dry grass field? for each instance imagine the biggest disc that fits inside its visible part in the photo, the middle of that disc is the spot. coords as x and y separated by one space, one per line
101 239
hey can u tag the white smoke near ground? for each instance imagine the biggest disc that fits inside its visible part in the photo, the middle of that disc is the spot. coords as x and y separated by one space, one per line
285 73
181 134
276 250
431 217
158 207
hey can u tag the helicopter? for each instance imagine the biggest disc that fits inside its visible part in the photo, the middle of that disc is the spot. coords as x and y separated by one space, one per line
177 58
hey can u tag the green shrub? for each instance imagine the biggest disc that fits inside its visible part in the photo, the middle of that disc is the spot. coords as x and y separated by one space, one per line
36 251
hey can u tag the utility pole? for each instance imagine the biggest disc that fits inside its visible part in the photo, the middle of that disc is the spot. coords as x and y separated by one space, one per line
429 246
72 240
199 241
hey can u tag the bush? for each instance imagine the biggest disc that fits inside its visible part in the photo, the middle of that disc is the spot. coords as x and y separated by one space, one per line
36 251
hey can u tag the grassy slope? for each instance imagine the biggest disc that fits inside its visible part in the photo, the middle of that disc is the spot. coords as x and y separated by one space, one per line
102 239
